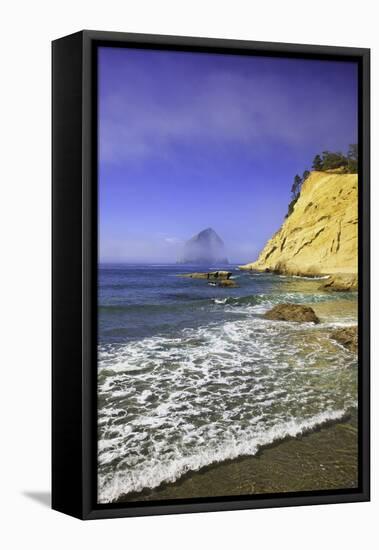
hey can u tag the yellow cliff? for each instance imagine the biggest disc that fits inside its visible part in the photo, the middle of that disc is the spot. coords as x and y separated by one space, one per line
320 236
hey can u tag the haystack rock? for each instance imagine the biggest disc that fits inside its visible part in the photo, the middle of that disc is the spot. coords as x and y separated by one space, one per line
320 236
204 248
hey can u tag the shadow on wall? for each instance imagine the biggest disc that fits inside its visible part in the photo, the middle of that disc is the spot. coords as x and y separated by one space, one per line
41 497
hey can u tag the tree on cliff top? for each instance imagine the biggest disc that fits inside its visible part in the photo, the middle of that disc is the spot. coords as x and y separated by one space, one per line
348 164
336 160
352 158
306 174
317 163
332 161
326 161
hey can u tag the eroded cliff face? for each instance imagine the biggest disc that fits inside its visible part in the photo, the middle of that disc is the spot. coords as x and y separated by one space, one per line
321 234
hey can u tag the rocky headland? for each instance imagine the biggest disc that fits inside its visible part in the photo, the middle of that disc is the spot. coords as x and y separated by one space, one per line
320 236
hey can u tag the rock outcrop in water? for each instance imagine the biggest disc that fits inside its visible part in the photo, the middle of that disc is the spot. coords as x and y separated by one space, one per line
227 283
212 275
204 248
320 236
341 282
215 278
347 337
292 312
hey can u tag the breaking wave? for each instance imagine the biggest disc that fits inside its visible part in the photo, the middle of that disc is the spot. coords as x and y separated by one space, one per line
173 404
264 302
167 471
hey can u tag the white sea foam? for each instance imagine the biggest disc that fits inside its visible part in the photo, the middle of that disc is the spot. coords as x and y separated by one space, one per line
348 322
260 303
169 405
159 471
221 301
304 277
310 277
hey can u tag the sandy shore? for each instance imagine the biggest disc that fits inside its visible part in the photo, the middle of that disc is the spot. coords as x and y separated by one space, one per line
323 459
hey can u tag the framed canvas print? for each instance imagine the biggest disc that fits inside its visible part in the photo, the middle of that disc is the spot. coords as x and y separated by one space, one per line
210 274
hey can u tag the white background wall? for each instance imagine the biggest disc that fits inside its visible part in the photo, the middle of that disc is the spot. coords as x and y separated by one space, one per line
27 27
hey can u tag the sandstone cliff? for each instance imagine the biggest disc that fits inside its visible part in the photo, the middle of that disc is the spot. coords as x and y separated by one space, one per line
321 234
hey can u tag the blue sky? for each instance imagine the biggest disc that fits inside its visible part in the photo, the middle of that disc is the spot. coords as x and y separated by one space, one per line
193 140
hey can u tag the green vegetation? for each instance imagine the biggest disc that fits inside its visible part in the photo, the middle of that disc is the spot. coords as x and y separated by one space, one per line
317 163
352 159
296 186
327 161
346 164
295 190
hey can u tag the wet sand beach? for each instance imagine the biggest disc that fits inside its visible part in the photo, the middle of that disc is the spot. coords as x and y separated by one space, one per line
319 460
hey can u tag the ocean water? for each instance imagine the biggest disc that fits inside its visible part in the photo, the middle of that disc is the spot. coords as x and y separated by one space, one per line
190 374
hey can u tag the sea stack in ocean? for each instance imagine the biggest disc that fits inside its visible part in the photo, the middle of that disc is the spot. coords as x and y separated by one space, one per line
204 248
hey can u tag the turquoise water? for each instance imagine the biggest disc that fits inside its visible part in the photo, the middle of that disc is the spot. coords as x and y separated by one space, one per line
190 374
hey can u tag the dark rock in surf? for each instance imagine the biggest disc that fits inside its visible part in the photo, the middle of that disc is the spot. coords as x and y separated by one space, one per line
227 283
347 337
292 312
214 278
341 282
211 275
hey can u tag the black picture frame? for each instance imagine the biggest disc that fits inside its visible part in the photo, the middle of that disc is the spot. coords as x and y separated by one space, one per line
74 272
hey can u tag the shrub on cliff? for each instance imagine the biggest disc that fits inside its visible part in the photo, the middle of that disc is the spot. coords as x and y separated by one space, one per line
291 205
347 164
336 160
295 190
317 163
352 158
296 187
332 161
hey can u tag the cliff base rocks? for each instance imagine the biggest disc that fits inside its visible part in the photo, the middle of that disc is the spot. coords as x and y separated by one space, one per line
341 282
320 236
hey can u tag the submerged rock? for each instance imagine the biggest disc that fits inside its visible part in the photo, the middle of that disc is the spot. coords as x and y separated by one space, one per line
347 337
292 312
341 282
227 283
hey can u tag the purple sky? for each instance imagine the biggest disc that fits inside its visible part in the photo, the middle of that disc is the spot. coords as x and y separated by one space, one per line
192 140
